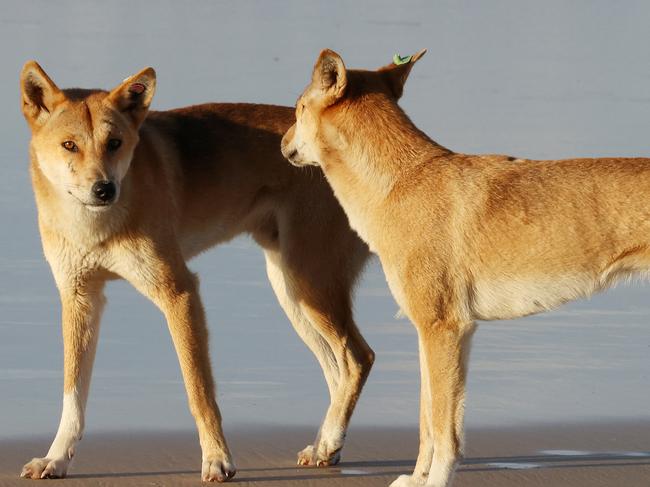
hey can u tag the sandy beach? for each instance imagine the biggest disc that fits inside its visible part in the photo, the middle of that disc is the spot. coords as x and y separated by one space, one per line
561 455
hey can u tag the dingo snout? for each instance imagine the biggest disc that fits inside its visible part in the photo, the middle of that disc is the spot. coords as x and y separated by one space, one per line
288 148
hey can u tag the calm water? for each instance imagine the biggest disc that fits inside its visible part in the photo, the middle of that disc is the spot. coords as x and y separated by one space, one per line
534 79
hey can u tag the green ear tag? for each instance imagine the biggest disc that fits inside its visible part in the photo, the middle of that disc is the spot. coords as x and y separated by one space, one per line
397 59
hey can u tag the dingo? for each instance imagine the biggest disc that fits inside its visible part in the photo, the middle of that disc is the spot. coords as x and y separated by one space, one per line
463 237
126 193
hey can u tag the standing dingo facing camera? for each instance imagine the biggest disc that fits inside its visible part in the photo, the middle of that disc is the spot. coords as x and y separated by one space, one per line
126 193
463 237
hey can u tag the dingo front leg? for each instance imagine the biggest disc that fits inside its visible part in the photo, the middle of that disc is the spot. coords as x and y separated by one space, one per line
186 321
446 347
82 304
444 353
174 289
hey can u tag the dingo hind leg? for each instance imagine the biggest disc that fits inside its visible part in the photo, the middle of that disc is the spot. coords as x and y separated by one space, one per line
306 331
342 352
354 358
313 279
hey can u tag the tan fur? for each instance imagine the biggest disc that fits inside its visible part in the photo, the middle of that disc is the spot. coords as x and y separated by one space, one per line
185 180
464 237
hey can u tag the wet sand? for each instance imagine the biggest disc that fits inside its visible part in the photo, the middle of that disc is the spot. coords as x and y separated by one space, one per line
575 455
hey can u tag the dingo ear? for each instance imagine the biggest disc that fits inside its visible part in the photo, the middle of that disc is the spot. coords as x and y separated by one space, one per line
134 95
398 71
39 94
329 76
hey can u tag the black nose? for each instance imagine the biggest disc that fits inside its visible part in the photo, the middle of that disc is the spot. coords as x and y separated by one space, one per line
104 190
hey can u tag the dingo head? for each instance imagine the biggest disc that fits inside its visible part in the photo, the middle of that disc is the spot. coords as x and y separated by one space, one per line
333 91
83 140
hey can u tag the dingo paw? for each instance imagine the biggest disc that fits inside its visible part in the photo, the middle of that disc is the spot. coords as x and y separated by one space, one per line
45 468
217 468
318 458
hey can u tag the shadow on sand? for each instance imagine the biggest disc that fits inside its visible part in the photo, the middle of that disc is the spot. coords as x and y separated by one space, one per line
397 467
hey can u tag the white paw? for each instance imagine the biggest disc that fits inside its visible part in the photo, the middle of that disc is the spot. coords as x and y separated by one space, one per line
320 458
305 456
45 468
217 468
407 481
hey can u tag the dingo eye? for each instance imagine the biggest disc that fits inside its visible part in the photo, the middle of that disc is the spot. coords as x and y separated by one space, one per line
71 146
114 144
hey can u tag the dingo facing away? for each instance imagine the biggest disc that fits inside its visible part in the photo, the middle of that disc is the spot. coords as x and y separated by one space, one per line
463 237
123 193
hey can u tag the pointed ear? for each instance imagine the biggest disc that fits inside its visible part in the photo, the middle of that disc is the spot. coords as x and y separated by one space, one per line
329 76
39 94
398 71
134 95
